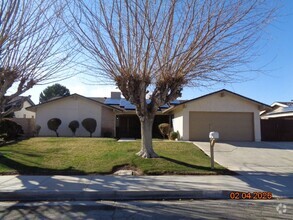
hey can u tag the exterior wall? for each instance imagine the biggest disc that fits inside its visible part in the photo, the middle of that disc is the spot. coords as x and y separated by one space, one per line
108 122
219 103
68 109
177 122
23 113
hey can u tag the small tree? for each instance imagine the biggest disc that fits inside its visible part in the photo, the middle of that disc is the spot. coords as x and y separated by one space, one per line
73 125
53 124
90 125
55 90
165 129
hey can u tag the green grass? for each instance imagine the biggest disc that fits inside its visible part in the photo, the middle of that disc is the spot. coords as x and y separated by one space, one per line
100 156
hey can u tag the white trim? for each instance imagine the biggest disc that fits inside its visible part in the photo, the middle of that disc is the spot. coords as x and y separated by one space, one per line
280 115
278 104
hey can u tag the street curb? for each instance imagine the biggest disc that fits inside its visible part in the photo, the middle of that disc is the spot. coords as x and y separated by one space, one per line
33 195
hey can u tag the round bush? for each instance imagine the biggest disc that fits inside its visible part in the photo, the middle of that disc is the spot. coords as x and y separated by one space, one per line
174 135
53 124
73 125
90 124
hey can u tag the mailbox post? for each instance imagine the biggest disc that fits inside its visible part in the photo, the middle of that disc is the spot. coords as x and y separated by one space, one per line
213 137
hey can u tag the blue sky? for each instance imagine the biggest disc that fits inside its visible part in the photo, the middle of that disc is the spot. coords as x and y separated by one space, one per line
274 83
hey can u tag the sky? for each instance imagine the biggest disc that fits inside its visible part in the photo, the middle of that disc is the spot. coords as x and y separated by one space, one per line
273 83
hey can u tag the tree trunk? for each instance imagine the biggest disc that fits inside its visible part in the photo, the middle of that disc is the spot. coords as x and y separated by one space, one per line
146 127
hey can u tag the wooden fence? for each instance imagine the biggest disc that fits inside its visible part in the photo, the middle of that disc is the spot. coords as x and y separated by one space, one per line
277 129
27 124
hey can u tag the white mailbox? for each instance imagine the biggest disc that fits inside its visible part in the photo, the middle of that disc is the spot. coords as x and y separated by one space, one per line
214 135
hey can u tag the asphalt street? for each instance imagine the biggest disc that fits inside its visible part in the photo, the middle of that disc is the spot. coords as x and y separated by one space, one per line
185 209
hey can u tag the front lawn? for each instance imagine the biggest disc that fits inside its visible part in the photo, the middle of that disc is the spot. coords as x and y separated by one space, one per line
100 156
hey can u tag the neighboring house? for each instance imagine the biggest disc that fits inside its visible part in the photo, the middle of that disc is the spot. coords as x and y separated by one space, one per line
235 117
277 123
75 107
21 103
21 115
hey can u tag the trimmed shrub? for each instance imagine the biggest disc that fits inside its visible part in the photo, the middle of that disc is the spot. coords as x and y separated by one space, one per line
37 130
53 124
165 129
174 135
73 125
90 124
10 130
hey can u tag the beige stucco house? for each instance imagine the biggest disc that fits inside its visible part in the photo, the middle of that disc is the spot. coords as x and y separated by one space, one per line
75 107
235 117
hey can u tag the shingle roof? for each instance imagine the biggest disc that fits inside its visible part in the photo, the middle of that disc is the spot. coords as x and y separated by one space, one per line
21 99
17 102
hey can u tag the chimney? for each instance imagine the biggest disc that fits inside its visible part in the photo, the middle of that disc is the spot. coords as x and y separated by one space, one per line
115 95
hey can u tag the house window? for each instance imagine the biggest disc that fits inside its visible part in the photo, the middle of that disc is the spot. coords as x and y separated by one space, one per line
24 115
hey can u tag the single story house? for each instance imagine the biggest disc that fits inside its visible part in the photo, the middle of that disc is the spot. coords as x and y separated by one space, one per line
75 107
20 103
21 115
235 117
277 123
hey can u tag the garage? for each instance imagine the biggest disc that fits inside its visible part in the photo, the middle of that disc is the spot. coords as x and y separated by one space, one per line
235 117
232 126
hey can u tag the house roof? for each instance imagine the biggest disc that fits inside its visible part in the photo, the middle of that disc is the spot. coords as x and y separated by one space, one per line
117 104
262 105
96 100
126 105
280 109
21 99
17 102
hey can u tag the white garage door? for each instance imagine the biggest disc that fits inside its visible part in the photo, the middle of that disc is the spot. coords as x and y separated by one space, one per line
232 126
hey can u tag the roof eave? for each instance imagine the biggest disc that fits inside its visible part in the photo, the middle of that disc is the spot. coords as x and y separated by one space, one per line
278 115
260 105
34 108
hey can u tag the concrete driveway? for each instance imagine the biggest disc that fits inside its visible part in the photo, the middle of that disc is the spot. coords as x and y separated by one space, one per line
264 165
267 157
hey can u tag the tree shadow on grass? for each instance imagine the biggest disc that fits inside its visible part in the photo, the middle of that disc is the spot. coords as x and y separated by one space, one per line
219 171
10 142
22 169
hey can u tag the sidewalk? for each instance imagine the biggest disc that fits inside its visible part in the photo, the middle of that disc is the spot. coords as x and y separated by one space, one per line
96 187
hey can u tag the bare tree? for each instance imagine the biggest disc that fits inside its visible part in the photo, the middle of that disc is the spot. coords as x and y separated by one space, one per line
158 47
32 47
